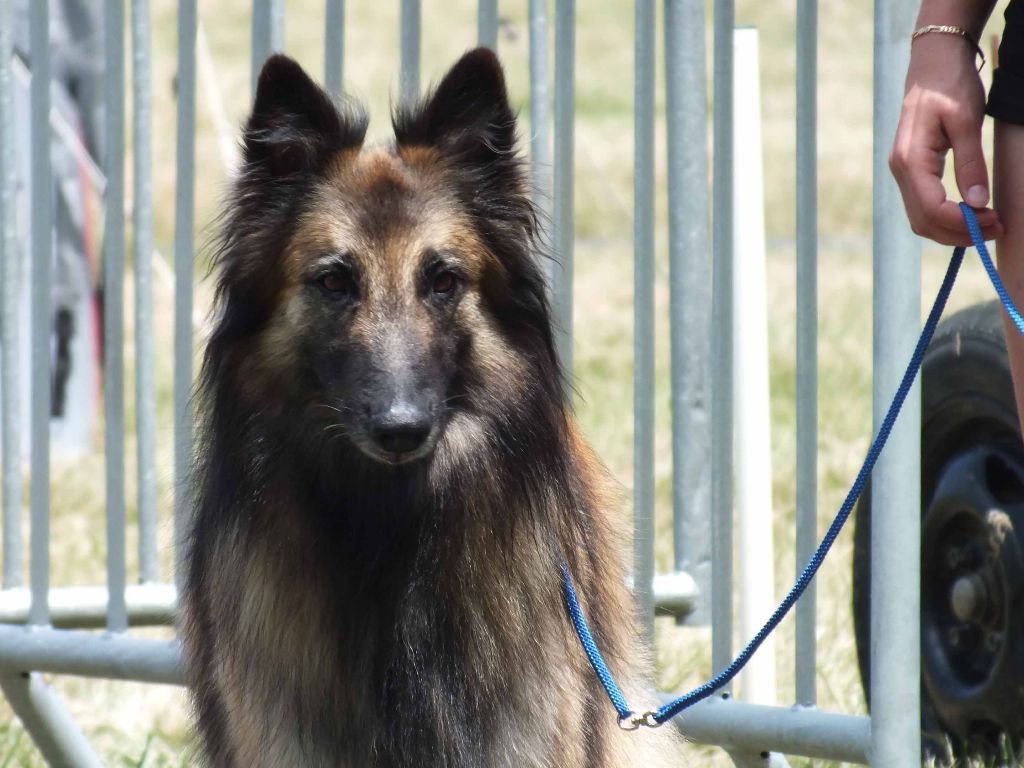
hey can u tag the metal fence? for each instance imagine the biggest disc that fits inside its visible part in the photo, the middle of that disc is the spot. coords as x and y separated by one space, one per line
701 355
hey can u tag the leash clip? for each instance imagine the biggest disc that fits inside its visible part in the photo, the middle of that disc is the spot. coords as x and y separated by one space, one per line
632 721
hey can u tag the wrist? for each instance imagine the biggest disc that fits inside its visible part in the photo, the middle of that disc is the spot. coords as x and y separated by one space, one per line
960 38
970 16
943 42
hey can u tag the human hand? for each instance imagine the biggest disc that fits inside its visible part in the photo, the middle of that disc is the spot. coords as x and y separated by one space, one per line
943 109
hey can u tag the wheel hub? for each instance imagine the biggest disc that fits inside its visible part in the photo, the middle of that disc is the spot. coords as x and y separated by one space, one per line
976 598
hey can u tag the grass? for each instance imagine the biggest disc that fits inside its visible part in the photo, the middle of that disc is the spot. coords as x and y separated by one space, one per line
135 725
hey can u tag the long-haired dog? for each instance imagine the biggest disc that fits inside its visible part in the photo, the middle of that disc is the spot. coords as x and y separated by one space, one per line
387 472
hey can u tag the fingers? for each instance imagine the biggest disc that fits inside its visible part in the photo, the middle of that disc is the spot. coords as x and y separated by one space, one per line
947 226
934 216
968 158
917 163
942 220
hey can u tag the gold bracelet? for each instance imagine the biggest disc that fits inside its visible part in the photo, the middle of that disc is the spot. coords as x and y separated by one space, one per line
948 29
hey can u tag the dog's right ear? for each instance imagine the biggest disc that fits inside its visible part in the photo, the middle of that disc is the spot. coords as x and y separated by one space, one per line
295 125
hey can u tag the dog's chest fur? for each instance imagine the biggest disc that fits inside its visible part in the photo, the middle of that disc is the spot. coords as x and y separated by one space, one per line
387 665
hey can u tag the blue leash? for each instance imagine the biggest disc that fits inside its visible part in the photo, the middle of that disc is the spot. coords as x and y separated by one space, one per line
628 719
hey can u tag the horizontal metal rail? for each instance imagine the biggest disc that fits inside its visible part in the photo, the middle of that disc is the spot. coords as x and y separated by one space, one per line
86 607
730 724
675 594
88 654
803 731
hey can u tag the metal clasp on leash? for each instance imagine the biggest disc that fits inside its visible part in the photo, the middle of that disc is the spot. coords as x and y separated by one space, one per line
632 722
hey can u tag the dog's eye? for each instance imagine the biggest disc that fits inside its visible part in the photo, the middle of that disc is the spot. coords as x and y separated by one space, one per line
444 282
336 283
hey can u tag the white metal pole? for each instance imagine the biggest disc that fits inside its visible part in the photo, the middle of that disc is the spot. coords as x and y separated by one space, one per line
751 417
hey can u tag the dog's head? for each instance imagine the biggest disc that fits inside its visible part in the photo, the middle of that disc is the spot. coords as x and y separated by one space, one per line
392 292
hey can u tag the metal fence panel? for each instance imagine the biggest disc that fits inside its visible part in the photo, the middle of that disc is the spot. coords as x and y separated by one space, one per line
702 419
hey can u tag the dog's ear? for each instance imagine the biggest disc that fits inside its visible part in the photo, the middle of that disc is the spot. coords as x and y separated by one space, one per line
294 124
467 116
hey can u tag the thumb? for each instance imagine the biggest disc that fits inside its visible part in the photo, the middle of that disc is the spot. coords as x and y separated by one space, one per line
969 162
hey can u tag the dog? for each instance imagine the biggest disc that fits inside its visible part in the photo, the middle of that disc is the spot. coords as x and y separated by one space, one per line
387 474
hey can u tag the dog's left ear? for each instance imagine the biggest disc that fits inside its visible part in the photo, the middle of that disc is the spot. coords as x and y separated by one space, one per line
468 116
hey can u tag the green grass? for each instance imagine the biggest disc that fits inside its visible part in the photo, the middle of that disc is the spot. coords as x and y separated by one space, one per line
140 725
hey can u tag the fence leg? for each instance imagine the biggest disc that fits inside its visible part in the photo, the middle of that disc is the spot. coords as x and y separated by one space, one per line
47 721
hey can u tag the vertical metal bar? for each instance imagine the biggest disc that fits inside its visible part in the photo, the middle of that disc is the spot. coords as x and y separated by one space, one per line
276 25
721 359
267 33
184 214
895 489
487 24
260 47
142 237
563 221
540 106
643 315
334 46
806 338
409 77
689 290
10 339
47 720
42 268
113 311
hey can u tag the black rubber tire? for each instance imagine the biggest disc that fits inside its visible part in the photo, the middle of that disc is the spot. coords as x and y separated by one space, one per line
967 401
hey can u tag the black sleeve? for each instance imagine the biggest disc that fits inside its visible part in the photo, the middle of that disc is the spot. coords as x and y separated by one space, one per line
1006 97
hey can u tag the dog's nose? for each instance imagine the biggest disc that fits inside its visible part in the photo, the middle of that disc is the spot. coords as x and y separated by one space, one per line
403 429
